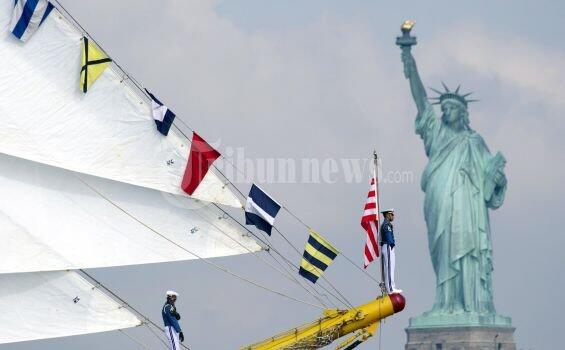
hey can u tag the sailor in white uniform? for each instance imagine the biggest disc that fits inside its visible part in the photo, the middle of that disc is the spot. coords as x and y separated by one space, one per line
171 319
388 251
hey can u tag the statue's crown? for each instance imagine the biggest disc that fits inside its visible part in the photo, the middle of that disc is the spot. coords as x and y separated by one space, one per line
451 95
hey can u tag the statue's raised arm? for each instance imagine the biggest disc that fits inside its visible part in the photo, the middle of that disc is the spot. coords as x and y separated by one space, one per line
410 70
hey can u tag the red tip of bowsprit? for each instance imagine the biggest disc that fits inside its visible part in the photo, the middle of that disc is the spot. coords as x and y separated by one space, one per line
398 302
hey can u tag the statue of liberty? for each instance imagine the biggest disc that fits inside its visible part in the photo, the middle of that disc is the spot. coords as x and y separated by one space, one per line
461 181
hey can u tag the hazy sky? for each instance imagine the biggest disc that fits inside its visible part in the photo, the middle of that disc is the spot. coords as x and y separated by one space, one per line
321 80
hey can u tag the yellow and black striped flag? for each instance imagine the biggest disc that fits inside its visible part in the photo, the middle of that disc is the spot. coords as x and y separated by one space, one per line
318 255
94 62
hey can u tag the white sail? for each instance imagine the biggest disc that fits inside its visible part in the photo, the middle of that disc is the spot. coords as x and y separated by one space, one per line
107 132
51 220
56 304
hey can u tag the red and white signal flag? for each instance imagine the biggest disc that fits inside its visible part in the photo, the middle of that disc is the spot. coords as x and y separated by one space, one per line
370 222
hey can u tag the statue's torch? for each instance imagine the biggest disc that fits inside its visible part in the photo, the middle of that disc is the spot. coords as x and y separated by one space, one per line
406 41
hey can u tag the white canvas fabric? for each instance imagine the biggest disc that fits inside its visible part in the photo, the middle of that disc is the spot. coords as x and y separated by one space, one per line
50 220
56 304
108 132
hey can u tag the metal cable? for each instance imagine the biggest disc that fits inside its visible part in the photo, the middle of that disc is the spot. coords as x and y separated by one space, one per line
207 261
347 303
292 269
296 268
148 321
134 340
289 277
273 249
322 277
380 333
285 208
359 268
157 336
140 87
84 31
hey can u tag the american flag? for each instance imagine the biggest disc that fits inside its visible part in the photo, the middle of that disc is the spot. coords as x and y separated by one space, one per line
370 222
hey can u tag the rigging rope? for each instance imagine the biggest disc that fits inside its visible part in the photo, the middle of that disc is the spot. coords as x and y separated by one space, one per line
290 277
291 213
380 333
294 270
151 323
147 322
360 269
160 338
133 339
347 303
322 277
244 196
272 248
207 261
284 207
139 86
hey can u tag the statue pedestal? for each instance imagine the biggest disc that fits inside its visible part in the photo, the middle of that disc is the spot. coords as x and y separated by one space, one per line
460 338
432 319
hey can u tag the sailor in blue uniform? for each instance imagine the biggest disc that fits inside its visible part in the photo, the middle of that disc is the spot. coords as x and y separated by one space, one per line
171 319
388 252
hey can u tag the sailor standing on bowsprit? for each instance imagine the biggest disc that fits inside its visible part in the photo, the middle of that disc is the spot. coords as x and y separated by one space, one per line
171 319
388 251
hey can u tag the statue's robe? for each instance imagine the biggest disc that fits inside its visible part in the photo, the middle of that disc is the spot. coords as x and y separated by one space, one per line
459 186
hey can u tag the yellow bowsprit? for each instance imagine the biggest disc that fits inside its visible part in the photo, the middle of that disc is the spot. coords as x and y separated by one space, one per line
360 322
94 62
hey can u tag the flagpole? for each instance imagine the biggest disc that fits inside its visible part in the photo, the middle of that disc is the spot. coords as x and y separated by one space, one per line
375 174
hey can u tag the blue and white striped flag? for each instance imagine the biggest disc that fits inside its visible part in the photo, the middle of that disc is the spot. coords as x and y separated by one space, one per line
28 16
162 114
260 209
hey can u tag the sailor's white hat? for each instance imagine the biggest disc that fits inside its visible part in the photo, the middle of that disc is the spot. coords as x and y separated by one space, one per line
172 292
390 210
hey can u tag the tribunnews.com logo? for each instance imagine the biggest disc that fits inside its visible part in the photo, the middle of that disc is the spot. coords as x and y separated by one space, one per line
240 169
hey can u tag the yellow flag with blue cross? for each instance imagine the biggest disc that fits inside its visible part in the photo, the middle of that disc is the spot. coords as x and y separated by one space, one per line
318 255
94 62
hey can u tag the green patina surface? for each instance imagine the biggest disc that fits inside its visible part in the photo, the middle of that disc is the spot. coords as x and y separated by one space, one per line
462 182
